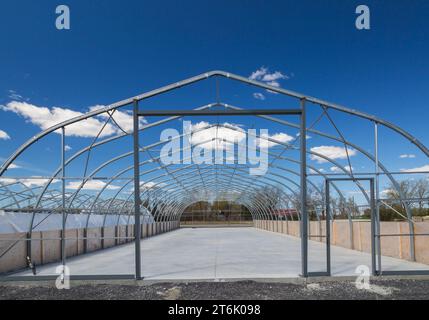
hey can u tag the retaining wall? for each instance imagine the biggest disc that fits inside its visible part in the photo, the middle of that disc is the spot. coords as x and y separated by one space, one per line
46 245
359 238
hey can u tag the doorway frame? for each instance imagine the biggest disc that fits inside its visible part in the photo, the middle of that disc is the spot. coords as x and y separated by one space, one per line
375 224
301 112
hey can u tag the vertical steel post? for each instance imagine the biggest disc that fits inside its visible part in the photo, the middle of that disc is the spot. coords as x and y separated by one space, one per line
328 227
303 173
137 201
377 199
373 229
63 181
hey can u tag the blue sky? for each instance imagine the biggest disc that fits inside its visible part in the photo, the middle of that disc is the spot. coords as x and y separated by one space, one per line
118 49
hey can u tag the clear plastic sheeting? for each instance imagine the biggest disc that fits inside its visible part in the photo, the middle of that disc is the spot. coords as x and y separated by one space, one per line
14 222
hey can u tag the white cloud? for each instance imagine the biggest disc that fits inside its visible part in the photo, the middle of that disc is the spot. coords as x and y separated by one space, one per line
258 74
7 180
151 184
274 84
67 148
14 166
29 182
386 191
312 171
418 169
14 95
123 118
331 152
306 136
90 185
274 76
263 74
338 170
37 182
281 137
404 156
147 185
259 96
231 133
235 133
356 192
45 117
4 135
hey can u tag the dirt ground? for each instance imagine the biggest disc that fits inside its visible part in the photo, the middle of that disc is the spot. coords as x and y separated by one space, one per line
414 289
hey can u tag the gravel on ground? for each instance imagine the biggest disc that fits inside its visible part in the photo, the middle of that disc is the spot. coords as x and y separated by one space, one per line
414 289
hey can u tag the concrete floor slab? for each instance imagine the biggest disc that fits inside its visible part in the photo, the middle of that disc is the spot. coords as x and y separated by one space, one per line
222 253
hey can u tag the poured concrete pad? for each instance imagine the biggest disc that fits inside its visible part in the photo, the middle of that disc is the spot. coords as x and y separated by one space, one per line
221 253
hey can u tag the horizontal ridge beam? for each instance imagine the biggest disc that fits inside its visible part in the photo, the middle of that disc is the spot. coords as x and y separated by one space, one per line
206 112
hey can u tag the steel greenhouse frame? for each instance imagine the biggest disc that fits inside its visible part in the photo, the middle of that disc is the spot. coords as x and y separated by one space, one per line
174 186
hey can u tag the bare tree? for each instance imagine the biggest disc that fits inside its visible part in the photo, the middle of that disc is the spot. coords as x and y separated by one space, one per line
410 189
406 188
315 201
352 207
421 191
268 197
